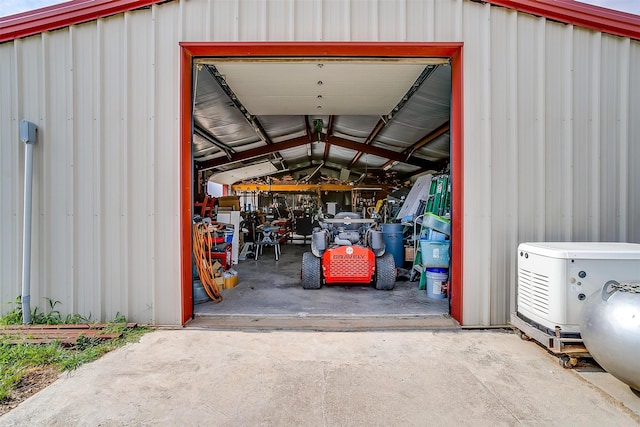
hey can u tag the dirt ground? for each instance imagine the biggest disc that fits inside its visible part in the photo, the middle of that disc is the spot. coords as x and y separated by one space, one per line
34 381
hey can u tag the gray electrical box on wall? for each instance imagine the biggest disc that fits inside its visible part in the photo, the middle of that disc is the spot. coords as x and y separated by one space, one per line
28 132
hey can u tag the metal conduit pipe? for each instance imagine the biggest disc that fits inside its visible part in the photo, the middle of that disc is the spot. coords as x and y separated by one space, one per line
28 136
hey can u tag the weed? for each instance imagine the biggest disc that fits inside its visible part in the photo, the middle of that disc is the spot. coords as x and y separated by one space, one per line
51 318
83 343
18 359
74 319
14 317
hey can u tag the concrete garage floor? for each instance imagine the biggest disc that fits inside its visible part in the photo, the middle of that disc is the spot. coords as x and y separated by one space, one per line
269 294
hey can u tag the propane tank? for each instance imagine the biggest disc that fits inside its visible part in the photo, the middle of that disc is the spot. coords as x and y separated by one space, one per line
610 329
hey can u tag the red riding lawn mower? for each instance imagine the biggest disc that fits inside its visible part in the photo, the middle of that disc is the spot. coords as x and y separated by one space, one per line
348 249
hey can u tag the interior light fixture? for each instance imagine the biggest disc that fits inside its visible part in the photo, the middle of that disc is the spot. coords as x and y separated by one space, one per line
390 165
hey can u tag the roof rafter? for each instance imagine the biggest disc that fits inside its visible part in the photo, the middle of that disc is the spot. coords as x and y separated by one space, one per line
376 130
255 152
340 142
325 155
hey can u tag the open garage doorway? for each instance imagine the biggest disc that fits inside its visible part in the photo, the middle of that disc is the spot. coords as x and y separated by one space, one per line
333 119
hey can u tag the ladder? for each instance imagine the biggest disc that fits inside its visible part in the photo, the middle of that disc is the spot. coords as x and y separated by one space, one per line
438 203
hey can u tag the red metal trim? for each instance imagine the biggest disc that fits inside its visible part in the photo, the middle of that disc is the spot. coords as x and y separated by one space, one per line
64 14
186 77
78 11
345 49
580 14
334 49
457 186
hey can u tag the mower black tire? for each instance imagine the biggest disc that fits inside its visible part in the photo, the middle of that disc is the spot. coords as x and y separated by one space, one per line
311 274
385 272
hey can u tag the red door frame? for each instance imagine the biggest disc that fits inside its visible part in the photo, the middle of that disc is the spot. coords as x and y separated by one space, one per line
189 51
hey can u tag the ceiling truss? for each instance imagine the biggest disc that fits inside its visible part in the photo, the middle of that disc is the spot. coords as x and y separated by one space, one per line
424 105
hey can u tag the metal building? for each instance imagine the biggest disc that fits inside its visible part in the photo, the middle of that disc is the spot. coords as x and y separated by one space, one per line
545 136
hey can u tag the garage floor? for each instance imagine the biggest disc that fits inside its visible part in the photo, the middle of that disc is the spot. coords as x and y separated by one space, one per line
270 290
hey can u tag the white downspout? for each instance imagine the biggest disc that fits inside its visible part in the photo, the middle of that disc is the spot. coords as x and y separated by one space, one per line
28 136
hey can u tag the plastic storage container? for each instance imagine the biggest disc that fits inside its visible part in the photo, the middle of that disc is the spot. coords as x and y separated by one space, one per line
393 241
435 253
228 234
431 234
199 294
437 282
437 223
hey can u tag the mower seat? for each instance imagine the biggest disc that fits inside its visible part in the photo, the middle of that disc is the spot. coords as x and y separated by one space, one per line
344 215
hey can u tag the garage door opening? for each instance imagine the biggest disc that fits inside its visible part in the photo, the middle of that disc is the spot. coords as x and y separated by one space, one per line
300 133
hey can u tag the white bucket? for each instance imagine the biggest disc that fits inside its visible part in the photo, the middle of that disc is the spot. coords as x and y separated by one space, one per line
437 282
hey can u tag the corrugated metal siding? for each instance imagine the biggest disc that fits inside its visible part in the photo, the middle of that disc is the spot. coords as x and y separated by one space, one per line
633 178
504 154
477 163
551 147
106 192
10 246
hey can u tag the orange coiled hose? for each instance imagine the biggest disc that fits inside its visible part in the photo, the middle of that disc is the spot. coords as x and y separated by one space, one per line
202 241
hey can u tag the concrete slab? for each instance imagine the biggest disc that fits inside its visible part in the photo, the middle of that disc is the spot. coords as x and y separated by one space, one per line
304 322
267 287
228 378
615 388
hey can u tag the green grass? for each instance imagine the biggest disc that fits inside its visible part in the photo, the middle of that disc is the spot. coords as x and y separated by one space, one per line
16 360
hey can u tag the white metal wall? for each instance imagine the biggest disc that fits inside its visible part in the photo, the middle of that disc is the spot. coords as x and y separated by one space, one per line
551 141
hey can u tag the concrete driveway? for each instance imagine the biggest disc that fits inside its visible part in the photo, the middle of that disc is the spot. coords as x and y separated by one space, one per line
200 377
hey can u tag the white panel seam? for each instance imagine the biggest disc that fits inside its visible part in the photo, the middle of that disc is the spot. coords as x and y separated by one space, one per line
124 197
100 176
487 133
45 253
568 131
73 175
513 131
236 22
541 129
623 170
152 183
595 134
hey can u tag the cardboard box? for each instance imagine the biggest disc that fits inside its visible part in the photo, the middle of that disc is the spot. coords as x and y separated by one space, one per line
231 282
215 267
232 202
409 254
219 282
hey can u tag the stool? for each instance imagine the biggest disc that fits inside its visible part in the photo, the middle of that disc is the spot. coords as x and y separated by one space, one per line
268 237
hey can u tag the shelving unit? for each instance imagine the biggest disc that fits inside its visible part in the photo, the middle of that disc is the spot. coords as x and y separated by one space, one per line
361 197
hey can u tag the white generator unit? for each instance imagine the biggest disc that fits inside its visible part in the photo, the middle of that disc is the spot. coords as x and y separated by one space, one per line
556 278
